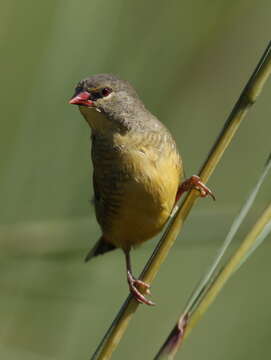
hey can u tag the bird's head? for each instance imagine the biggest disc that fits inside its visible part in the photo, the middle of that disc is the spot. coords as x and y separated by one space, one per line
107 102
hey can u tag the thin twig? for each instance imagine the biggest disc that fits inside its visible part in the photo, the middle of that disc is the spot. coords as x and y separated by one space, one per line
231 266
247 98
176 336
214 268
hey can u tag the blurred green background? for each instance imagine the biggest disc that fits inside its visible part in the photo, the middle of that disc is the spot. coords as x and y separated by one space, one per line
189 62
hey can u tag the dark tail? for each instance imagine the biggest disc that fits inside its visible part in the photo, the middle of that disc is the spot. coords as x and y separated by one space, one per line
99 248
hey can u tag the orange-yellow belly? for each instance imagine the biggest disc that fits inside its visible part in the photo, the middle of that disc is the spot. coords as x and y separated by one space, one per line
147 199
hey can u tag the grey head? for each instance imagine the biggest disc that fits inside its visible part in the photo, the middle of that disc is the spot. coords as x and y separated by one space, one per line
109 102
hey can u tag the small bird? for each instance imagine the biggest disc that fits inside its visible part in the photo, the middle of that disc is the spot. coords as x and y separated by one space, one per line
138 173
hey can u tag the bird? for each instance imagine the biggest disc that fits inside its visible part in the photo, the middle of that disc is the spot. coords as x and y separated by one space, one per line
138 172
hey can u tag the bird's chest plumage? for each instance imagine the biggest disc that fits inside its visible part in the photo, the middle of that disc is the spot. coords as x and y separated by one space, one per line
136 177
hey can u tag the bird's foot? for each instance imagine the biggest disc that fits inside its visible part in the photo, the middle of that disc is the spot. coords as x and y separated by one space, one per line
134 285
194 182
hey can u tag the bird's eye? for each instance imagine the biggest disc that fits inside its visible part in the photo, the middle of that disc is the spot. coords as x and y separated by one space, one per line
94 95
106 91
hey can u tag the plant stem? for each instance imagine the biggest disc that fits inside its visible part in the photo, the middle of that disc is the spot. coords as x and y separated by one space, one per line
213 276
229 268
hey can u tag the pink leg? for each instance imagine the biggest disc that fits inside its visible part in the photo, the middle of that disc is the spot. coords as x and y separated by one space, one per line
194 182
135 283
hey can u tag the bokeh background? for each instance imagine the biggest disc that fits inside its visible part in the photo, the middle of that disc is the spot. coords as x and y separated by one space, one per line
189 62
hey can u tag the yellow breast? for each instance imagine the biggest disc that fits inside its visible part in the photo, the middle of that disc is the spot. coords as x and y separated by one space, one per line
148 196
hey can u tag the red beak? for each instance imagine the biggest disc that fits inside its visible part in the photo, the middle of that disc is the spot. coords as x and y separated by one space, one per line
82 99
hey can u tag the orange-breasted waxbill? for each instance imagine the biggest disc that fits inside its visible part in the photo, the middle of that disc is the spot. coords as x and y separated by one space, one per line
138 173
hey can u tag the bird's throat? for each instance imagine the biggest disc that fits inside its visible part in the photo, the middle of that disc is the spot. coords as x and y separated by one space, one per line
96 119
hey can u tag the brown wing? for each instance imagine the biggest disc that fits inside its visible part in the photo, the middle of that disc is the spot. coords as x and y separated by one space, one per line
108 190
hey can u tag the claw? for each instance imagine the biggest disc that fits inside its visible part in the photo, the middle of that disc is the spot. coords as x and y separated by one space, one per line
194 182
133 284
203 189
